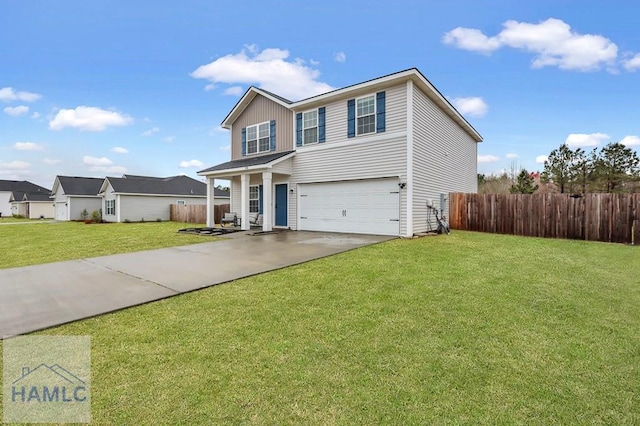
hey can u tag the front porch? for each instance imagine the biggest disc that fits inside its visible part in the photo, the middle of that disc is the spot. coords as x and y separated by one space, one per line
259 191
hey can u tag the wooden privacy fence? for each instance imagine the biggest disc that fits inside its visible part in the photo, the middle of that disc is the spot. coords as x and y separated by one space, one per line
196 213
592 217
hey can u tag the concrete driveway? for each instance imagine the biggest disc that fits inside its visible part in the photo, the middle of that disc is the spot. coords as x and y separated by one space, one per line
41 296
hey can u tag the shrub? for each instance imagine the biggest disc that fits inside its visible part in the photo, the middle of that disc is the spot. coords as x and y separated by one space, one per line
142 220
158 220
84 214
127 221
96 216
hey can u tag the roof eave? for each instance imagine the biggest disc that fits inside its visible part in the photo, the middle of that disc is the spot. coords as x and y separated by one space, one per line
244 102
254 168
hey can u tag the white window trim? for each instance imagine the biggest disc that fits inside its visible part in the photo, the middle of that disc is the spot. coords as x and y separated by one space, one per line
317 126
181 202
254 199
257 126
375 114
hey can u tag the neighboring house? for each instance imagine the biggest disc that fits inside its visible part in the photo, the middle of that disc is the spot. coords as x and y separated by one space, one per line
221 197
15 190
73 194
362 159
32 205
137 198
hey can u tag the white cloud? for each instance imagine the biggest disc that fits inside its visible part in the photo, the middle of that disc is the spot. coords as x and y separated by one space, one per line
474 107
552 42
27 146
540 159
150 131
234 91
51 162
35 115
633 63
488 159
119 150
95 161
91 119
169 139
15 165
630 140
226 148
577 140
16 111
7 94
512 155
340 57
471 39
268 69
191 163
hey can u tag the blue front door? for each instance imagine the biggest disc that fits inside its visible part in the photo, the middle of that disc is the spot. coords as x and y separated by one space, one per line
281 204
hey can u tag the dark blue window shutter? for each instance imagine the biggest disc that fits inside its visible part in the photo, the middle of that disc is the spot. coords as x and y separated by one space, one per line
272 135
321 124
380 112
244 141
260 198
351 118
299 129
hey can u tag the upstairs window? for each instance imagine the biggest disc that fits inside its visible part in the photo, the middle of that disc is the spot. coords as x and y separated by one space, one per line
258 137
366 115
310 127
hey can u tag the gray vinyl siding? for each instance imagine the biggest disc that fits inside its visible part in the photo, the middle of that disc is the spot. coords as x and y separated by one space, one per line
396 118
138 207
377 159
260 110
77 204
444 158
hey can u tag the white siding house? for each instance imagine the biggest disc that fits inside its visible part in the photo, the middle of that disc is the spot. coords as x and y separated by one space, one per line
71 195
362 159
13 200
145 198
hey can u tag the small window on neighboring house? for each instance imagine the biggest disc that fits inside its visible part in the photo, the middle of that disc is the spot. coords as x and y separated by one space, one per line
310 127
258 138
366 115
110 207
181 202
254 199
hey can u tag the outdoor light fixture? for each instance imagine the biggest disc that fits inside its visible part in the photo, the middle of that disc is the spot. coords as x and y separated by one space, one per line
402 185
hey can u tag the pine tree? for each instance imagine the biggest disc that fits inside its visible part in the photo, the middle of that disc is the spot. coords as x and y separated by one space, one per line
525 184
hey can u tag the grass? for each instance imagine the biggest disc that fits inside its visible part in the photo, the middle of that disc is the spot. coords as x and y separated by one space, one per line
11 219
463 329
31 244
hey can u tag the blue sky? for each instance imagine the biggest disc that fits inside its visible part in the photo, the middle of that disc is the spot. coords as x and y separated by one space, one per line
95 88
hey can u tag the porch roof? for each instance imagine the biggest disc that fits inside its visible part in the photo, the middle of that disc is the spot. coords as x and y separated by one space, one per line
262 161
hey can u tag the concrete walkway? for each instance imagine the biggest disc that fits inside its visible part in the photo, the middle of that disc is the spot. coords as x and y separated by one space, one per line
41 296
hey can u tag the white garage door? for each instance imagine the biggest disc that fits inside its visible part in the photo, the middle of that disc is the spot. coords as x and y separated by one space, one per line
361 206
61 211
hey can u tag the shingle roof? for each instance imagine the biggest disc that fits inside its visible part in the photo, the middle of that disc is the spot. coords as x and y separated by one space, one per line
20 187
74 185
36 196
173 185
246 162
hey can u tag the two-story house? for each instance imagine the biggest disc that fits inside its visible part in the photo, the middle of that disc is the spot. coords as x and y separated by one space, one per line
361 159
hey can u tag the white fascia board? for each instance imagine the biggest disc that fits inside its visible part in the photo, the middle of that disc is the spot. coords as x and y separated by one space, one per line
239 170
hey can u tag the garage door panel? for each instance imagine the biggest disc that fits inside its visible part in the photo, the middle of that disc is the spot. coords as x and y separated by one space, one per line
365 206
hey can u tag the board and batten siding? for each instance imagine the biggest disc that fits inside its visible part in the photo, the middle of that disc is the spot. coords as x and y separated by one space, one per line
377 157
138 207
444 158
261 110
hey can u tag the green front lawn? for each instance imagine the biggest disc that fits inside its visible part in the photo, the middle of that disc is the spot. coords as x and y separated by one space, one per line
463 329
31 244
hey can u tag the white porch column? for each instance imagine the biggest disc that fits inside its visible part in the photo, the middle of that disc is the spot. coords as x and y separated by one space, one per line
244 201
267 205
210 202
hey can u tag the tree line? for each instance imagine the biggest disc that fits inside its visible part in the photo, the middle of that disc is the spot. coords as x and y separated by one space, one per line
614 168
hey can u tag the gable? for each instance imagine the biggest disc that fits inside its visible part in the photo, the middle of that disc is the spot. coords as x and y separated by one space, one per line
261 110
